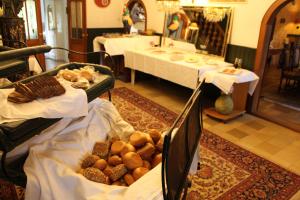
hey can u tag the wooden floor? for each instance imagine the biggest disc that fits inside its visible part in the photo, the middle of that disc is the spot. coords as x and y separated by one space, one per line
282 107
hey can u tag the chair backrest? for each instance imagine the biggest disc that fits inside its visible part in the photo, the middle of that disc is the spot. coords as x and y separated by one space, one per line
179 149
289 57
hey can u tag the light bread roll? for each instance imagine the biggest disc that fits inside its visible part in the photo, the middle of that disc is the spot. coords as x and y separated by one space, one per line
117 147
138 139
127 148
70 75
132 160
100 164
149 139
128 179
114 160
155 135
87 75
146 151
139 172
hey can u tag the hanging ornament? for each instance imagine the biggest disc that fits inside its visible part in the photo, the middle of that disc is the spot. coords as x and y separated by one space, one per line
102 3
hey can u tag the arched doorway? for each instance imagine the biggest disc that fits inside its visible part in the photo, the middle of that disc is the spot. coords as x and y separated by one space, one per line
266 32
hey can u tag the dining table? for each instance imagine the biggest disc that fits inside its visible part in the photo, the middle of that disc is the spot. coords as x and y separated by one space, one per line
189 68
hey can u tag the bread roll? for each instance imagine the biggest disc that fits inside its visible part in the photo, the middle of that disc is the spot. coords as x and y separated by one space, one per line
146 151
114 139
87 75
101 149
127 148
117 147
155 135
94 174
156 160
146 164
117 172
89 161
100 164
69 75
160 144
128 179
114 160
138 139
139 172
132 160
149 139
108 171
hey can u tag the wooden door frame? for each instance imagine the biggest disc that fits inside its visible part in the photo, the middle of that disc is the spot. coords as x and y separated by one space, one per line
262 53
40 39
263 46
84 24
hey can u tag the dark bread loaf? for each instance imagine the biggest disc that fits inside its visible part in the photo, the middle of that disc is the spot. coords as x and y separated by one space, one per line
95 175
89 161
42 87
117 172
101 149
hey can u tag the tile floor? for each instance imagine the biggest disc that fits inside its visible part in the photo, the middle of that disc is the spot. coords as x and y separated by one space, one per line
266 139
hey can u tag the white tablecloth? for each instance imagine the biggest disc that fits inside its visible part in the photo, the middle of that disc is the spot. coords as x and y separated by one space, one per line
117 46
71 104
225 82
161 65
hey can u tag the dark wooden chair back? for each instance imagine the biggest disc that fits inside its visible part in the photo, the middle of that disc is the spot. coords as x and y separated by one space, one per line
180 147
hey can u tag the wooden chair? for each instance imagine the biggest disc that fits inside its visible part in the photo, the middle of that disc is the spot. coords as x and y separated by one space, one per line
289 62
179 149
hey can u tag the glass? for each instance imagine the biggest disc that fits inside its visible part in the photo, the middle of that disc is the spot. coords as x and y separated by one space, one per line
28 13
76 19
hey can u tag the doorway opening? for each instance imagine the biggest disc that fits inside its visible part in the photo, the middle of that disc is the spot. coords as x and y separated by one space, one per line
278 64
55 30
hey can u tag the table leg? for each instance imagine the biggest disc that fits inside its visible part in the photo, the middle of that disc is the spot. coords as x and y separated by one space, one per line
132 76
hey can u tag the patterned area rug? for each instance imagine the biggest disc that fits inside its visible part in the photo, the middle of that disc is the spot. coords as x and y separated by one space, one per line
227 172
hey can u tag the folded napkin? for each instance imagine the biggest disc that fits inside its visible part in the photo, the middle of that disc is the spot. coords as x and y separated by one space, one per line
72 104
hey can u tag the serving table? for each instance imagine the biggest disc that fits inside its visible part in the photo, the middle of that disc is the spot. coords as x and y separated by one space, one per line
172 64
118 44
188 69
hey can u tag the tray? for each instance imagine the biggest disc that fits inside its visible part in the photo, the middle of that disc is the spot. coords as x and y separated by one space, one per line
15 133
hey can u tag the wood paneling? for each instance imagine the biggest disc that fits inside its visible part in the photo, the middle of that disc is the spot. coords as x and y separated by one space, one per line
245 53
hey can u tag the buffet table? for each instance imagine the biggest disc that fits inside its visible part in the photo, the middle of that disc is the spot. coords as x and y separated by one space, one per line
187 68
118 44
171 64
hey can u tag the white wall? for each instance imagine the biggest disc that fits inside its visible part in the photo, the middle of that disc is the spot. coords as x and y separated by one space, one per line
109 17
246 17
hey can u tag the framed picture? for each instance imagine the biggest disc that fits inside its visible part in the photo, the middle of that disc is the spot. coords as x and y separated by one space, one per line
51 17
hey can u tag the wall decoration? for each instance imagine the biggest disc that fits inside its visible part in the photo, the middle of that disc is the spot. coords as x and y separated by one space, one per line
102 3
